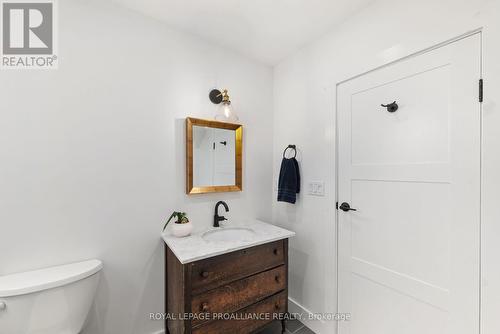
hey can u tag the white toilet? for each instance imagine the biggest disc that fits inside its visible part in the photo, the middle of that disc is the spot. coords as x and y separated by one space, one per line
53 300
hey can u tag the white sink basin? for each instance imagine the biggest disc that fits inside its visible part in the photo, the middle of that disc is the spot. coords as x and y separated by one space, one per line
229 234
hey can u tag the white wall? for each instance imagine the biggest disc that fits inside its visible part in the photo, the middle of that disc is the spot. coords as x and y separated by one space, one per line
92 154
304 103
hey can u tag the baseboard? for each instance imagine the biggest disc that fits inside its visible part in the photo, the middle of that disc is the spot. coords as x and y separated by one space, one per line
317 326
159 332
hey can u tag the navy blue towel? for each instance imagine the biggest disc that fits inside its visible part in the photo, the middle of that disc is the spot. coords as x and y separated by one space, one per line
289 181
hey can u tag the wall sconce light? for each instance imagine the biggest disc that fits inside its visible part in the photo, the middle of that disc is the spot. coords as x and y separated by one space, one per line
225 111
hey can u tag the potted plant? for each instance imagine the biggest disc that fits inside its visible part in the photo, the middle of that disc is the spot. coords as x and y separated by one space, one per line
182 226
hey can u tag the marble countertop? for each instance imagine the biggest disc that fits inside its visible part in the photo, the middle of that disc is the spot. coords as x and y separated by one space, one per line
195 247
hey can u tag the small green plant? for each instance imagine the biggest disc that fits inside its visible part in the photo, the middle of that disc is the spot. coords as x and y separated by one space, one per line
181 218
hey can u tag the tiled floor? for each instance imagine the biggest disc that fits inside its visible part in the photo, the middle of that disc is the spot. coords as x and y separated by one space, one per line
292 327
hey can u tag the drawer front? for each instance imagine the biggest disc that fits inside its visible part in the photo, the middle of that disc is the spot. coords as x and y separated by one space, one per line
244 321
217 271
239 294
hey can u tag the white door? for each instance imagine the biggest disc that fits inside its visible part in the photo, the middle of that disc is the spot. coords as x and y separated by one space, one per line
409 256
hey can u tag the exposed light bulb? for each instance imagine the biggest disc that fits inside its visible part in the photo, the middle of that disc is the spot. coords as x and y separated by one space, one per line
227 110
225 113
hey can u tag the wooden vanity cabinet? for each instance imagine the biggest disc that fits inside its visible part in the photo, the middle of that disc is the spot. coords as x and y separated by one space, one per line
225 294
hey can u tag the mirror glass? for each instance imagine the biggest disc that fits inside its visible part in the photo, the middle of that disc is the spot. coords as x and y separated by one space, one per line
213 156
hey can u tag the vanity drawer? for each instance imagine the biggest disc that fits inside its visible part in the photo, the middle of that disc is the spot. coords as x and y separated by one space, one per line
239 294
217 271
244 321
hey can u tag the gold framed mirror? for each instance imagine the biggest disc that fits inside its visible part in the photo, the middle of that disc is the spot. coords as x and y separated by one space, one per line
213 156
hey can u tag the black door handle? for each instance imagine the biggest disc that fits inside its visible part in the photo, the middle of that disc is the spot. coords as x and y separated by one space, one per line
346 207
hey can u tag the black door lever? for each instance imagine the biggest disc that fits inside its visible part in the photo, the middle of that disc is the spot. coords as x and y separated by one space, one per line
346 207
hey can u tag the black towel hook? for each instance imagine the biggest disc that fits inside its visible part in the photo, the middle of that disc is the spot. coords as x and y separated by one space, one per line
391 107
293 147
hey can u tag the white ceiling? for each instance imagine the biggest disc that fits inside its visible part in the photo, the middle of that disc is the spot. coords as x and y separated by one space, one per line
265 30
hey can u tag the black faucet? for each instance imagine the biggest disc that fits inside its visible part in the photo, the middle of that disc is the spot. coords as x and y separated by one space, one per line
218 218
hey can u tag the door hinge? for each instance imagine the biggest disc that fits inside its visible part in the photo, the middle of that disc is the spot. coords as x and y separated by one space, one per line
337 205
481 90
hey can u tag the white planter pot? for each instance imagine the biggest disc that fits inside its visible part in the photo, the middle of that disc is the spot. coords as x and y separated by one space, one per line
182 230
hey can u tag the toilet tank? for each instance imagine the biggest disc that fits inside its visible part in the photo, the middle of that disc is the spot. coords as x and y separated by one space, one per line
54 300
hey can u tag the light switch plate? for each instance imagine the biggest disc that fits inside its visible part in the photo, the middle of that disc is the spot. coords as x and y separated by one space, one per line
317 188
